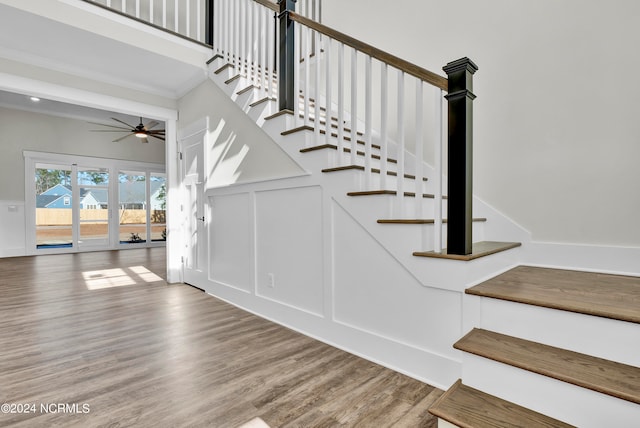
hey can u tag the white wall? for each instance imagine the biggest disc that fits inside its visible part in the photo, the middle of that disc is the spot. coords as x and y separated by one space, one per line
239 151
21 130
556 133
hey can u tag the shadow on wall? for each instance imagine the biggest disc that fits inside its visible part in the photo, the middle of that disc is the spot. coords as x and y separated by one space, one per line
225 156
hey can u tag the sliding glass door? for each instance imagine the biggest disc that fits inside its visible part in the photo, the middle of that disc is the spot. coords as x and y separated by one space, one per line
78 203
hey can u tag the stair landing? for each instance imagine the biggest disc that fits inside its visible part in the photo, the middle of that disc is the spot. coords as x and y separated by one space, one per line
479 249
604 295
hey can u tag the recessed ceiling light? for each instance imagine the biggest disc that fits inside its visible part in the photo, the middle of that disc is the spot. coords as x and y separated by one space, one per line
34 99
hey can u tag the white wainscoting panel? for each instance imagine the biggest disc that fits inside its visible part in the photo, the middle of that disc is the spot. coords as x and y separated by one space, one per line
230 241
289 247
375 293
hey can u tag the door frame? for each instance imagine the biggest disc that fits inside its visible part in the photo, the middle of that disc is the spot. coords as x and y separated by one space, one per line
200 126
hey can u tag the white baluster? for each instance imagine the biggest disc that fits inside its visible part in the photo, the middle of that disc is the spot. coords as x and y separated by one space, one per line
151 11
316 90
367 123
138 9
198 23
384 120
246 31
187 18
124 6
108 3
164 13
297 56
419 167
263 37
328 88
354 106
437 178
228 36
237 30
307 76
340 104
271 58
175 17
401 146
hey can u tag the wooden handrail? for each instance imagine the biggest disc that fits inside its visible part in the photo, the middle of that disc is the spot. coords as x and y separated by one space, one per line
269 4
399 63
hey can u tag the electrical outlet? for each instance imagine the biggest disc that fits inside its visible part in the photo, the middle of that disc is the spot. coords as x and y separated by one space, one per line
271 281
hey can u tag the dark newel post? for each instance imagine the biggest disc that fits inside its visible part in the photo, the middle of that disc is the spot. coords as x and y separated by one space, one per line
460 165
208 37
286 69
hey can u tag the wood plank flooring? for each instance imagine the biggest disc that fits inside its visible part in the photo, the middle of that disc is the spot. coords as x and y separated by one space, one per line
104 329
610 296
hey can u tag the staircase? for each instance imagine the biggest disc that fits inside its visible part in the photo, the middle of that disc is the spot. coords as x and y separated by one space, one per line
544 347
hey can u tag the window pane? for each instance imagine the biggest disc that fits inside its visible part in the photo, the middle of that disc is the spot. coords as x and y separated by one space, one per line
158 207
94 206
53 207
93 177
132 200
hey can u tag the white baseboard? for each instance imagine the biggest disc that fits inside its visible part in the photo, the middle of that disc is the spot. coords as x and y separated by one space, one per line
592 258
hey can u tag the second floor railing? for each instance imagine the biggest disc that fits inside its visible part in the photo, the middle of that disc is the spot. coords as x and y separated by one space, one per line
197 20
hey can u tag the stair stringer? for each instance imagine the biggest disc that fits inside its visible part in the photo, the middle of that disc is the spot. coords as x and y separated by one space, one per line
437 363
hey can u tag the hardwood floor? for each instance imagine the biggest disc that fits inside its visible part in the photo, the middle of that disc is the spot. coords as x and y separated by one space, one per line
103 334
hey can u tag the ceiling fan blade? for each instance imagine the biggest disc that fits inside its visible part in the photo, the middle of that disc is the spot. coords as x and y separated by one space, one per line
144 140
122 138
124 123
110 126
151 124
156 132
161 137
108 130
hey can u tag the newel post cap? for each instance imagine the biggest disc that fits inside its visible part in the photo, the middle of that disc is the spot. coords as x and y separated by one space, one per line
462 64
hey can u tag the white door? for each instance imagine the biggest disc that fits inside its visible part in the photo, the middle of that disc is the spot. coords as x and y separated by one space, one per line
194 215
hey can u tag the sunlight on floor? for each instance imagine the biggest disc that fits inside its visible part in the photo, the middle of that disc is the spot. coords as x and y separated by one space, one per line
109 278
255 423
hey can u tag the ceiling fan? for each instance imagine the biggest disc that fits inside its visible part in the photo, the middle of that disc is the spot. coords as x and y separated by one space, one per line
140 131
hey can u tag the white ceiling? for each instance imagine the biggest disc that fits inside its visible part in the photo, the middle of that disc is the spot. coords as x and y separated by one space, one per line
36 40
72 111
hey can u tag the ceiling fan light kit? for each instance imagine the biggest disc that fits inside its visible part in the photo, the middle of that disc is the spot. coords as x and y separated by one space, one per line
141 131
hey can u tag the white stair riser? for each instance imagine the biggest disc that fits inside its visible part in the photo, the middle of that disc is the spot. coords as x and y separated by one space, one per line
597 336
420 237
566 402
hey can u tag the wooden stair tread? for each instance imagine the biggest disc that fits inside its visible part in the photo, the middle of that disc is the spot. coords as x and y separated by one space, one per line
279 113
389 192
468 407
322 131
421 220
597 374
374 170
346 150
604 295
479 249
